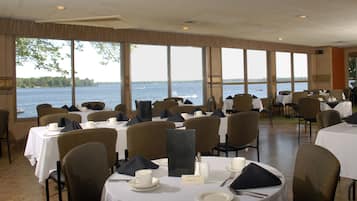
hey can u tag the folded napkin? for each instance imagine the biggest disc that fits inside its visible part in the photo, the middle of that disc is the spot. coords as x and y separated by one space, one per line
164 114
229 97
352 119
134 164
254 96
332 104
97 107
197 109
187 102
176 118
65 107
73 109
121 117
254 176
69 125
134 120
218 113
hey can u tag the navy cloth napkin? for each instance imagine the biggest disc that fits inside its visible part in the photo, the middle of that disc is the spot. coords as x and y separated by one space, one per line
164 114
187 102
229 97
197 109
254 176
122 117
134 120
65 107
332 104
218 113
352 119
136 163
69 125
254 96
73 109
176 118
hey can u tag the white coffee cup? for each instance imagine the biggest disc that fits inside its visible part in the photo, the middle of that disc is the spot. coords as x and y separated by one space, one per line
112 120
143 178
238 163
198 113
90 124
52 126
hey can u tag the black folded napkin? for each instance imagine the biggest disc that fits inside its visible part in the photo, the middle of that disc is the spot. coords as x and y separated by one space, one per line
176 118
134 164
254 176
332 104
254 96
65 107
97 107
187 102
164 114
69 125
352 119
197 109
134 120
73 109
121 117
229 97
218 113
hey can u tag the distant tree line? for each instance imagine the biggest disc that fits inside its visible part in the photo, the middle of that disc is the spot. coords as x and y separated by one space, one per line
51 82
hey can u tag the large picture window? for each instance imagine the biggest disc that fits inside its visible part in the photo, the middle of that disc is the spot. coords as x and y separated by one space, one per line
300 71
283 71
232 71
257 73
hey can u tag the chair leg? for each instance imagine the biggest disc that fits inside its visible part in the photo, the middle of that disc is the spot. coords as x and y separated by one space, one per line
59 187
47 191
310 129
352 191
299 130
258 156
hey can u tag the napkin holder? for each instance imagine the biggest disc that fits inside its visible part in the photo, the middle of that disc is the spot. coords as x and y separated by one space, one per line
181 151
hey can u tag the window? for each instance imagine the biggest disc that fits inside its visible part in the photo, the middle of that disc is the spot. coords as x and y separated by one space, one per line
257 72
187 73
149 79
232 71
352 70
300 71
283 71
43 74
97 72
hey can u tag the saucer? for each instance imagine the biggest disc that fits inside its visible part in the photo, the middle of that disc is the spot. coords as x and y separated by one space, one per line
215 196
154 185
230 169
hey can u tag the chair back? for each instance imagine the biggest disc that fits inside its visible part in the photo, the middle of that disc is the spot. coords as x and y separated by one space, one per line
96 105
308 108
67 141
267 103
296 96
243 102
211 104
347 92
86 169
101 115
328 118
337 93
40 107
316 174
121 108
176 99
206 132
53 118
243 128
184 109
160 106
148 139
4 123
50 110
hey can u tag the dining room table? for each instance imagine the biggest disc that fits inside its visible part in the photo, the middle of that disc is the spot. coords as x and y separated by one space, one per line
343 107
170 188
256 104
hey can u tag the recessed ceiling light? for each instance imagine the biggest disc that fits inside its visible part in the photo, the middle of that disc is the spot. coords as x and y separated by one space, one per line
302 16
60 7
185 28
280 38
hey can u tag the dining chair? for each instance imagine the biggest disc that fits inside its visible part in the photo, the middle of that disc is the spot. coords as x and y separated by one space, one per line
268 108
4 132
294 105
121 108
148 139
86 169
69 140
184 109
207 129
243 102
176 99
101 115
242 131
53 118
328 118
337 93
94 105
211 104
161 106
308 109
40 108
347 92
316 174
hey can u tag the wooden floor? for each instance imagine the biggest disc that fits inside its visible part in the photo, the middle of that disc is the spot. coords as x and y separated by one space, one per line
278 148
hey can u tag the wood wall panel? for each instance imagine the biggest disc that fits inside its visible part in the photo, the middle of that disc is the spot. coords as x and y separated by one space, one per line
338 68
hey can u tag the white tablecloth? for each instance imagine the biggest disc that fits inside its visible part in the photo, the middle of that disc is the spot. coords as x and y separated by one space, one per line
42 148
341 140
344 108
284 99
171 188
256 103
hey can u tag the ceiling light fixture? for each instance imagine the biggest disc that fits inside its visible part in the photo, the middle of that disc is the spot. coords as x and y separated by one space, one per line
60 7
302 16
185 28
280 38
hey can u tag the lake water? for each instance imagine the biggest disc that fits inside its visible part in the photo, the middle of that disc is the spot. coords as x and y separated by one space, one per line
28 98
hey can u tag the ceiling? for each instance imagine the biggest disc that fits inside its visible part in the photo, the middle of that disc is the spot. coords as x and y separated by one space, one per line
328 22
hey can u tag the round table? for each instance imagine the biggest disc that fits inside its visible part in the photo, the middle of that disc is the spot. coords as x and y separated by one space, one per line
172 189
